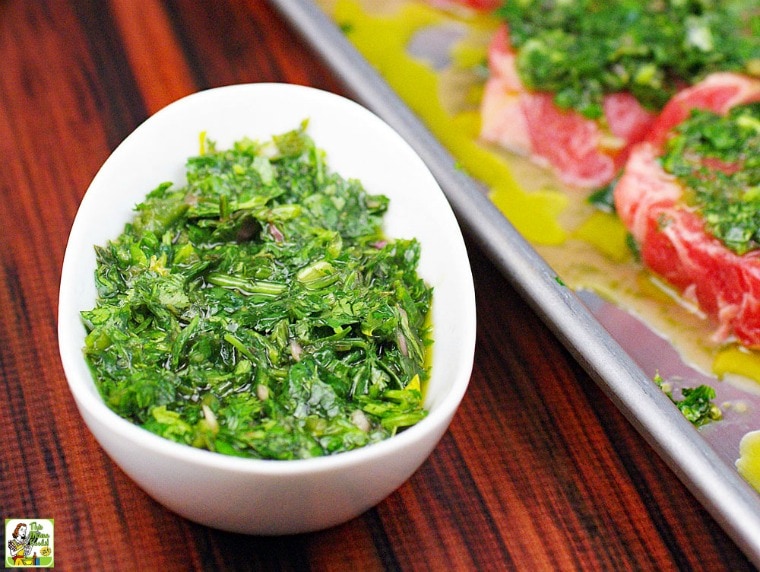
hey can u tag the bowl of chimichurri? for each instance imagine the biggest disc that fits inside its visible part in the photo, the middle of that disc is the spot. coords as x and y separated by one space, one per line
266 311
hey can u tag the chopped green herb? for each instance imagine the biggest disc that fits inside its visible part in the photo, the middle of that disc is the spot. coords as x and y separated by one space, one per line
259 311
581 50
718 160
604 198
633 246
696 403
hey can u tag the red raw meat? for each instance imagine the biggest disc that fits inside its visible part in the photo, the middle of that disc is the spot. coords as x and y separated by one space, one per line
672 237
582 152
718 92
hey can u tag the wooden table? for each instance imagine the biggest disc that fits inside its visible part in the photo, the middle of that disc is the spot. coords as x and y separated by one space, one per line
538 470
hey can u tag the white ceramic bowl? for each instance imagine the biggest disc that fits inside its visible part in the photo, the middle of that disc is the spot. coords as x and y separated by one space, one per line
258 496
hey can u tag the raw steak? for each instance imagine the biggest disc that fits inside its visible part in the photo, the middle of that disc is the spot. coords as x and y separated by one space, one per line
582 152
671 236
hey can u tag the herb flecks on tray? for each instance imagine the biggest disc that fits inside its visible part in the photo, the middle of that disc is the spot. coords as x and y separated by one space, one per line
696 403
260 311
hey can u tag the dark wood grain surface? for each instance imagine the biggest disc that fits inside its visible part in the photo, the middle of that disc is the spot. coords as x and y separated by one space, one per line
538 471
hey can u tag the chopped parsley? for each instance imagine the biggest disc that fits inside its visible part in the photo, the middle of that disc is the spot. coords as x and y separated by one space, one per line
581 50
696 403
718 160
259 311
603 199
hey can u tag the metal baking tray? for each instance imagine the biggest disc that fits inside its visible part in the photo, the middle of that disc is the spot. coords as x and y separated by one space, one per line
614 348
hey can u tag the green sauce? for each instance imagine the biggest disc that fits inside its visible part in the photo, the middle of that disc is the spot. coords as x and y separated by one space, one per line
259 311
718 160
581 50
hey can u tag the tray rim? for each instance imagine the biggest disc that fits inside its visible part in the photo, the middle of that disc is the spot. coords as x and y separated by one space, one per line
725 495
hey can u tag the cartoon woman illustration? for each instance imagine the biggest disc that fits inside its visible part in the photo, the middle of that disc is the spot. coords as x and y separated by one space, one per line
19 544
